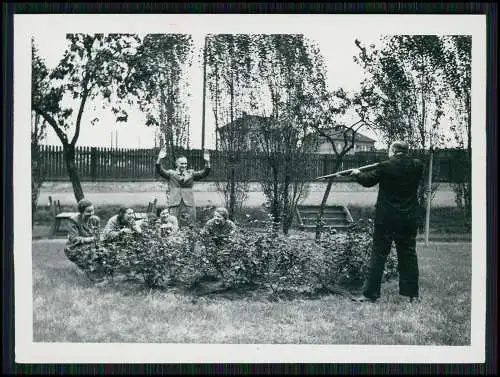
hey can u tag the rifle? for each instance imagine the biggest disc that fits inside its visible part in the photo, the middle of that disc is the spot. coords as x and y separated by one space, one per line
348 171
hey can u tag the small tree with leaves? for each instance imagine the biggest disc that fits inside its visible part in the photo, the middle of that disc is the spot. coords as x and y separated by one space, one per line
92 66
160 83
229 60
405 79
457 62
289 68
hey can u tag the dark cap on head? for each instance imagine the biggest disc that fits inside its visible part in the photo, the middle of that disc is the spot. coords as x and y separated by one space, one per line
400 147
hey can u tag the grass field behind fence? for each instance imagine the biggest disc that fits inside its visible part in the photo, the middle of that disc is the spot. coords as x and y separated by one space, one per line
68 308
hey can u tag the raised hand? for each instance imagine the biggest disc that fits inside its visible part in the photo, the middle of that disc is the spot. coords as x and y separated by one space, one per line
206 155
162 153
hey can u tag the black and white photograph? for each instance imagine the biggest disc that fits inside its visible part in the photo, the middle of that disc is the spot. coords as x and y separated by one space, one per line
250 188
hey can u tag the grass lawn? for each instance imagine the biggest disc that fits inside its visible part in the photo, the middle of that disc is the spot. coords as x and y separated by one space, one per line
68 308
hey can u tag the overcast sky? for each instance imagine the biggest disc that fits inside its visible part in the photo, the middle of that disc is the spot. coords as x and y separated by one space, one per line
334 34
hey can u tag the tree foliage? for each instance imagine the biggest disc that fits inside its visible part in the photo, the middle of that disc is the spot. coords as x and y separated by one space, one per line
458 76
404 88
229 60
92 66
406 92
290 68
160 83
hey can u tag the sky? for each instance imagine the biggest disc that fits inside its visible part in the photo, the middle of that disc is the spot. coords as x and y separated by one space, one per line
337 49
334 34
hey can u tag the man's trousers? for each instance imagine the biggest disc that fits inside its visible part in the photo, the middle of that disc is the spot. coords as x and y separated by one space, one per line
186 215
404 236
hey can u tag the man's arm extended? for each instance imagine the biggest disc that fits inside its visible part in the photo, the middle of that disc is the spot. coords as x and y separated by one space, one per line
366 179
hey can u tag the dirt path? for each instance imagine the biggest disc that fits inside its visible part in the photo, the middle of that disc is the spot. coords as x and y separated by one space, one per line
255 199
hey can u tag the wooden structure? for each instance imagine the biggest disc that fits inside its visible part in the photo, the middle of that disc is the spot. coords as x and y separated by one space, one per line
335 217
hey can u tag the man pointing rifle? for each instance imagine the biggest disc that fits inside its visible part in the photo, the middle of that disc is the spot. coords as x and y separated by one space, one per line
396 214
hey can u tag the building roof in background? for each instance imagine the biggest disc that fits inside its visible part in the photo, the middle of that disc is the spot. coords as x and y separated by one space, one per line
336 132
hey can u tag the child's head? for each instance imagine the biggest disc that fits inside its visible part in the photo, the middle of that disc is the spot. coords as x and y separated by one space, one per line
166 229
86 208
125 215
221 215
164 215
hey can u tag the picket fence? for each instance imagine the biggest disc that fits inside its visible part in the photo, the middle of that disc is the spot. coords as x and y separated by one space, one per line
125 164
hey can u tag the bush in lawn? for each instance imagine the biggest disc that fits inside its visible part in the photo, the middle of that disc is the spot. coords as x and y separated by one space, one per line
347 256
247 259
156 260
251 259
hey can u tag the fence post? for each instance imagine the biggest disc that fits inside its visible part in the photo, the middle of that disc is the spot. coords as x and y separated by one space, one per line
93 163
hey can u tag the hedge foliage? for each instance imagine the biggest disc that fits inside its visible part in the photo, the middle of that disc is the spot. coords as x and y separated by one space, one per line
248 259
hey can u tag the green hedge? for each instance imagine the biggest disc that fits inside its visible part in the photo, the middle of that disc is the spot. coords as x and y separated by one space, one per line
249 259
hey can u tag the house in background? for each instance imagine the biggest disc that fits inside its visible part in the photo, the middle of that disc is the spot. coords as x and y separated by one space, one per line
240 134
362 143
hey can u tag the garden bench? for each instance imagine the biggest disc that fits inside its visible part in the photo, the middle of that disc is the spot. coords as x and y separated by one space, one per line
60 218
60 222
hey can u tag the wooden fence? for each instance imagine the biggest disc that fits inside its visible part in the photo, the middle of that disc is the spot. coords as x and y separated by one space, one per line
109 164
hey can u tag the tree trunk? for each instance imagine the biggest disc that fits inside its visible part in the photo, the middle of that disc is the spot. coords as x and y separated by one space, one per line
232 193
69 159
319 226
286 206
319 219
275 210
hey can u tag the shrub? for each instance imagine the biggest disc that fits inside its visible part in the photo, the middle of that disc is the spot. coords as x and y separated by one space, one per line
248 259
347 262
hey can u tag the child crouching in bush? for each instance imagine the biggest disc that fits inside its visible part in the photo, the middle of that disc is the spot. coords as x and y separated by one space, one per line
167 224
218 228
122 223
82 246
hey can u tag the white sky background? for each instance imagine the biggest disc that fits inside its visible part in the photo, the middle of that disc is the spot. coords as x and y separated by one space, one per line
336 47
335 34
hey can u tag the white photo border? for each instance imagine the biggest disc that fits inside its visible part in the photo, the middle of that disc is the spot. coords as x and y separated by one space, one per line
27 351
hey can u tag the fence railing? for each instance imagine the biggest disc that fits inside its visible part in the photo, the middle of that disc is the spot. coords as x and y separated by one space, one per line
121 164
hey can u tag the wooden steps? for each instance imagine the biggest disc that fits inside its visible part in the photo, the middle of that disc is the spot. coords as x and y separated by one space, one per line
336 217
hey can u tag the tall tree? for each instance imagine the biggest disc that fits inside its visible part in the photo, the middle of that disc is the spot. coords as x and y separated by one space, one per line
230 58
92 65
457 68
405 78
290 68
322 117
161 84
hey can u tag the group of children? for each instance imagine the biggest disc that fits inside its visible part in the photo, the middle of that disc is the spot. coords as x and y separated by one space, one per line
84 229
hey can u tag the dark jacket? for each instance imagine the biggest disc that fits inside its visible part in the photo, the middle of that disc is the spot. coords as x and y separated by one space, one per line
398 179
181 185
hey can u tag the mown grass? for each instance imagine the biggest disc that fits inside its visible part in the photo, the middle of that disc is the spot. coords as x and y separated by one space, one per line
68 308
